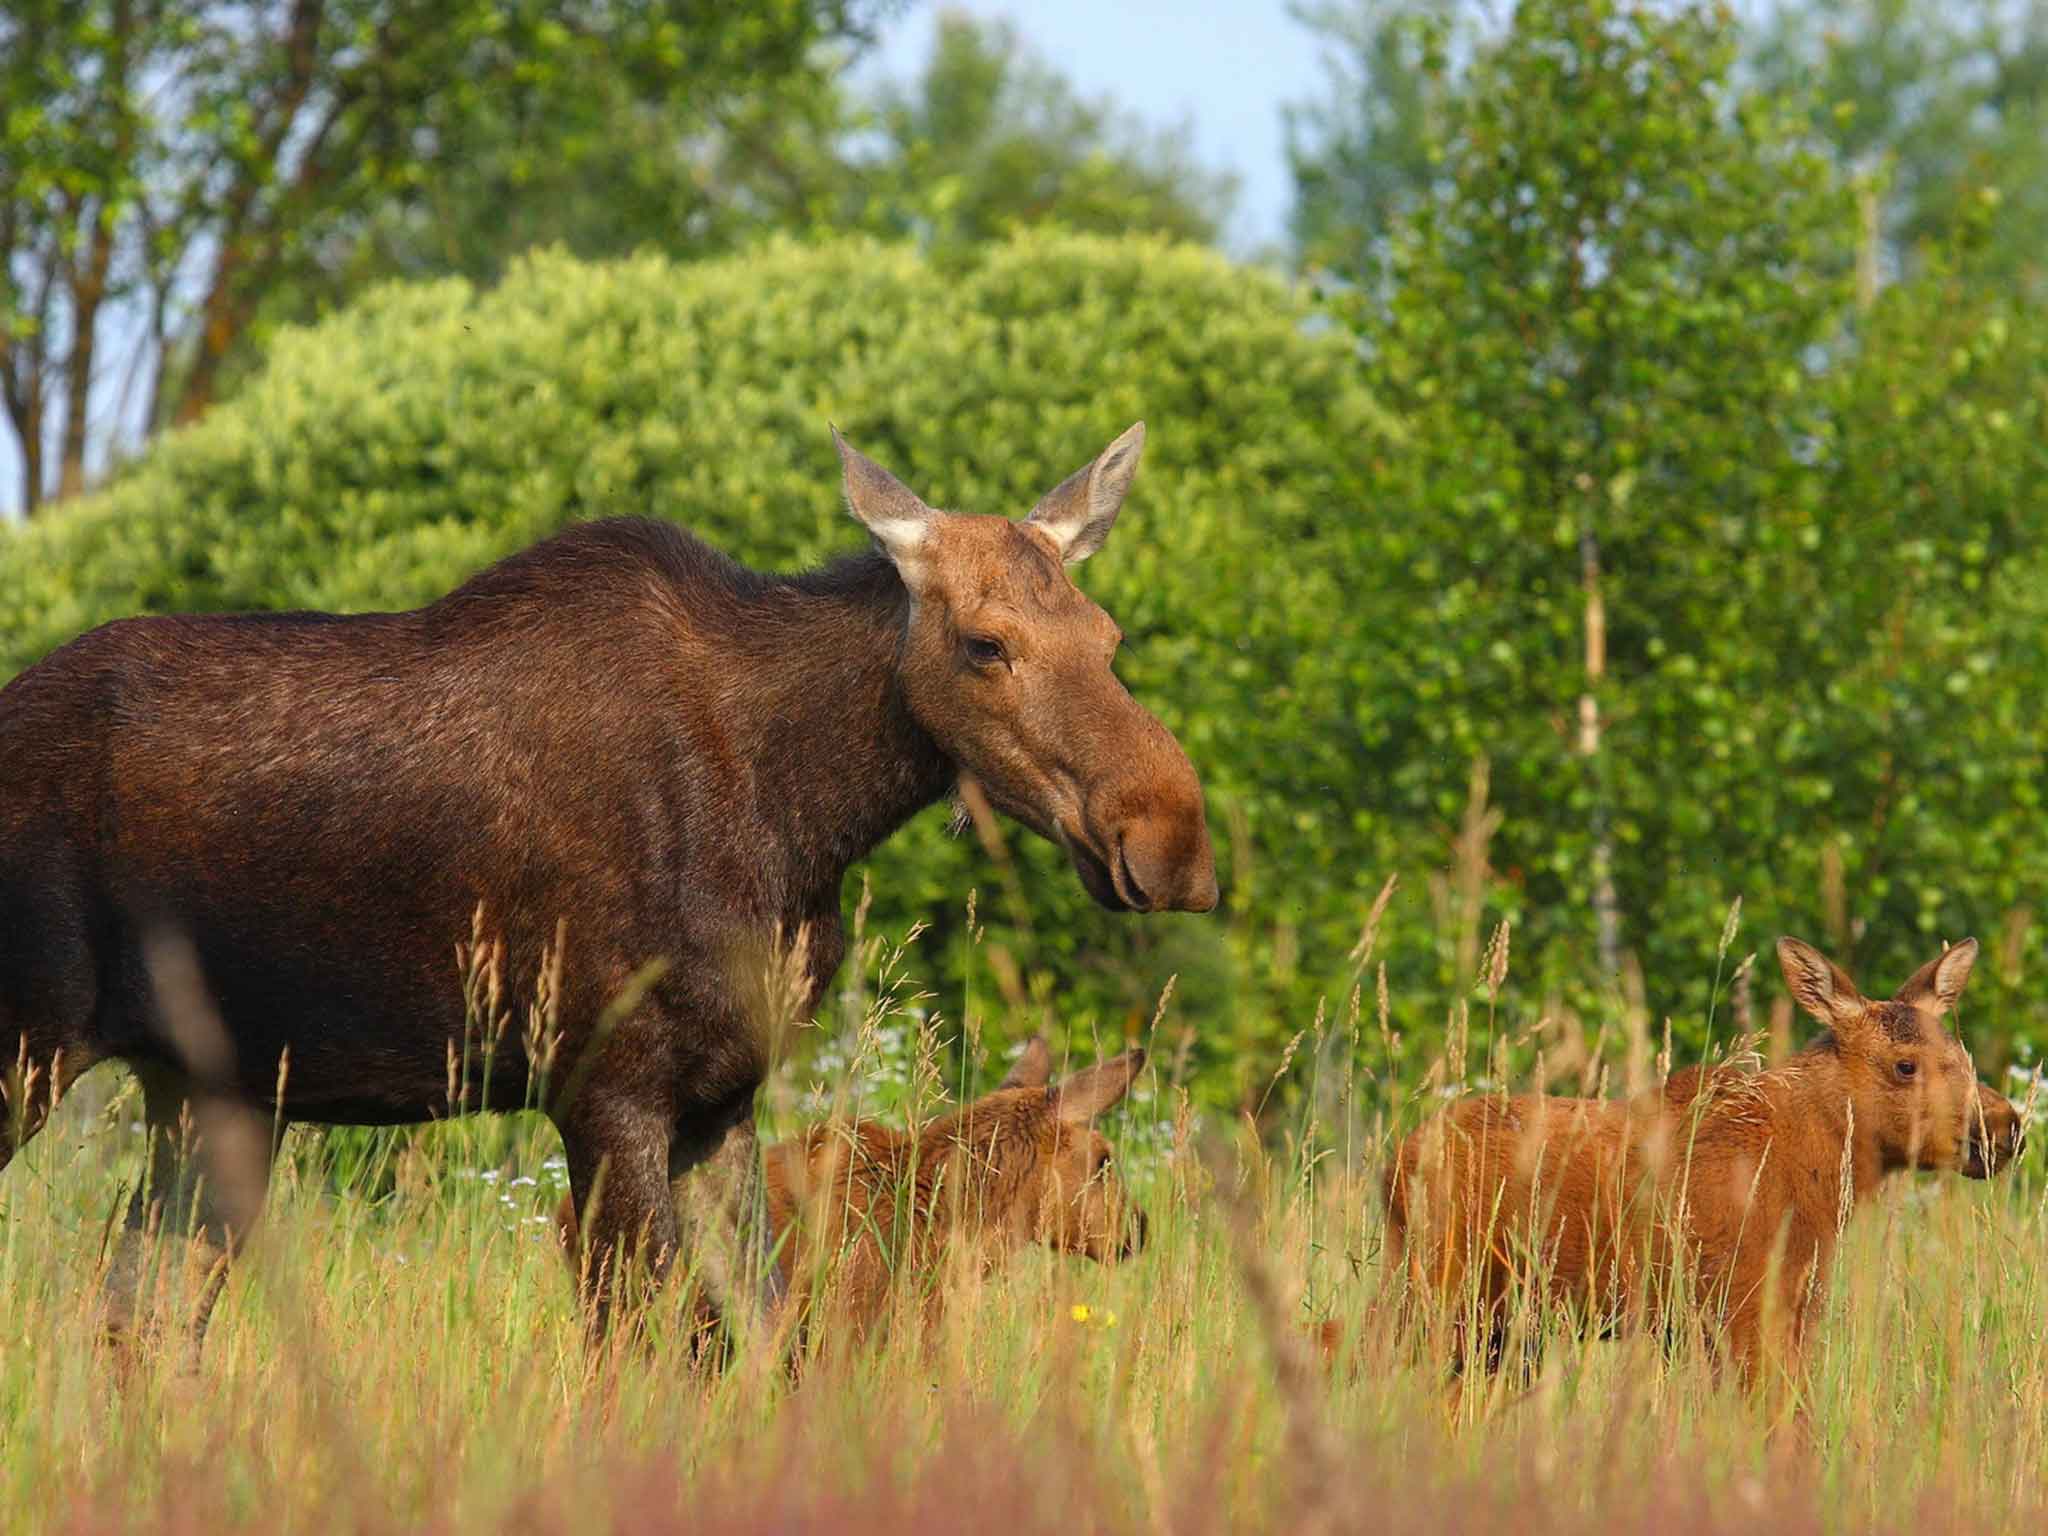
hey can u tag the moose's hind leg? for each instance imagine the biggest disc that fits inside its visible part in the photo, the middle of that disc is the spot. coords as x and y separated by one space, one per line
48 993
204 1178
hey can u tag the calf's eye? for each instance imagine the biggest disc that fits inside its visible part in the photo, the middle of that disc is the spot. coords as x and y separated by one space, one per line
984 650
1907 1068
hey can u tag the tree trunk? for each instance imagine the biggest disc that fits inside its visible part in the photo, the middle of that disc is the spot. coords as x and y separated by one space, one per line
1605 906
88 287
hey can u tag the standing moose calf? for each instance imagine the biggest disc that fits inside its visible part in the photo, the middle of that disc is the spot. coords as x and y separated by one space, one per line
1712 1184
615 748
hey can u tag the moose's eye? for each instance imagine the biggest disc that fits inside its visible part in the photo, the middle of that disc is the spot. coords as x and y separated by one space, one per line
1906 1068
984 650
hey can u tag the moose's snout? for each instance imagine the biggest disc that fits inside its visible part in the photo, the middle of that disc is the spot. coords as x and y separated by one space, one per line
1165 865
1996 1140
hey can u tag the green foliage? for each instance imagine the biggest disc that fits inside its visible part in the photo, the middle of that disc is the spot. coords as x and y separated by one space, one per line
1361 155
989 140
1943 104
203 169
1620 337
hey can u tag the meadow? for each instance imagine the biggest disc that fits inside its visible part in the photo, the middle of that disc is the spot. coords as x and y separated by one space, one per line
400 1348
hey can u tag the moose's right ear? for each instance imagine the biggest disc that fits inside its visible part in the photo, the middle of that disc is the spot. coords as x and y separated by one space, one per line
1077 513
1087 1094
1031 1070
1819 985
1940 981
888 509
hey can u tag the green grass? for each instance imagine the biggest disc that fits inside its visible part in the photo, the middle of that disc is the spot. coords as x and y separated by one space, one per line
400 1349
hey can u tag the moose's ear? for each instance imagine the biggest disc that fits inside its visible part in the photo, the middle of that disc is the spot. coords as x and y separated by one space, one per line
1819 985
1087 1094
1939 982
1078 512
1031 1070
888 508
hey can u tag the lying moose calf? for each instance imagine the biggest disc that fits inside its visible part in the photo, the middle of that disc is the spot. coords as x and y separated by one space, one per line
860 1207
1702 1186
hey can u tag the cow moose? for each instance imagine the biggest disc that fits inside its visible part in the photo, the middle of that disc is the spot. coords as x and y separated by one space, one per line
861 1209
1718 1189
617 759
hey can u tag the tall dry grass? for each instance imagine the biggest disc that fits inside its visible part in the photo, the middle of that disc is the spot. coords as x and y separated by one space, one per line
399 1349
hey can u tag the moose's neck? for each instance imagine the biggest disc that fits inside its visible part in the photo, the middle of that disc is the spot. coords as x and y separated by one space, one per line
1822 1100
839 760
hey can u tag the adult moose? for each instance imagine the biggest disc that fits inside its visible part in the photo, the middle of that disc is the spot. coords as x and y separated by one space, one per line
617 747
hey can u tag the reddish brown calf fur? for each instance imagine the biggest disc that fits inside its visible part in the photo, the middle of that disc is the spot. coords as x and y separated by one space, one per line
1718 1176
861 1209
618 735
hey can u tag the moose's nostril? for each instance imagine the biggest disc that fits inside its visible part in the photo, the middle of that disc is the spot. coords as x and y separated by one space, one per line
1161 868
1135 891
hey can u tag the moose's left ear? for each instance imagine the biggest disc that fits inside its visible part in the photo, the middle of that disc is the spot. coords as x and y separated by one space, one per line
1087 1094
888 508
1940 981
1078 512
1819 985
1033 1069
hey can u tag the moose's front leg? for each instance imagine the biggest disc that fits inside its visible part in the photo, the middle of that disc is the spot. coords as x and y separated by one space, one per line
618 1155
722 1151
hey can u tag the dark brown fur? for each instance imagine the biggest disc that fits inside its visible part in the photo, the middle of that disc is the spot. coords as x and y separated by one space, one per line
617 747
861 1209
1724 1176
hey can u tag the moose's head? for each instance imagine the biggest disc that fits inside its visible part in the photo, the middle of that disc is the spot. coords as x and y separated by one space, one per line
1070 1196
1910 1079
1007 665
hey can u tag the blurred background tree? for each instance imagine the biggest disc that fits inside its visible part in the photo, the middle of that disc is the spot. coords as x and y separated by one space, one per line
1943 106
1362 154
989 139
206 170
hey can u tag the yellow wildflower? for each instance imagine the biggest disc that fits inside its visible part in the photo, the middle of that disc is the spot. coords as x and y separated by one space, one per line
1081 1313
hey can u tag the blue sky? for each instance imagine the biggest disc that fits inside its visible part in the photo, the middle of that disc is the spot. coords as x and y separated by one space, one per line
1223 68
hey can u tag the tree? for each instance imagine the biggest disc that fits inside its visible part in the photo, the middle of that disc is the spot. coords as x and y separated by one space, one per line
166 164
1942 105
988 139
1597 328
1361 156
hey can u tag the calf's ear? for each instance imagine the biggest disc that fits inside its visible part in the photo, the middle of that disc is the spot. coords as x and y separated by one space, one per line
1939 982
1819 985
1031 1070
1087 1094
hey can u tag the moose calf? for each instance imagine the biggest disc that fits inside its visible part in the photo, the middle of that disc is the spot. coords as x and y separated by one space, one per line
860 1207
1706 1185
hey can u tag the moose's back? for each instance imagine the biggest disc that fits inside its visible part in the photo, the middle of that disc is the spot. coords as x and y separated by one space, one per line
322 804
